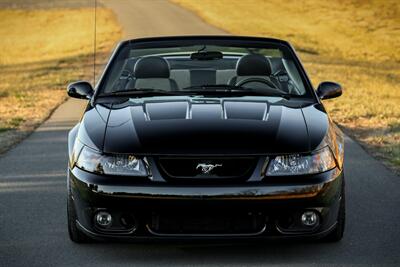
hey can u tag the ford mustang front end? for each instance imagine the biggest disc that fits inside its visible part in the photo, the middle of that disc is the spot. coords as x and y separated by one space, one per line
205 137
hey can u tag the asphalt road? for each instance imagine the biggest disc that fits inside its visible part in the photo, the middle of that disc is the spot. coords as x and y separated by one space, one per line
33 229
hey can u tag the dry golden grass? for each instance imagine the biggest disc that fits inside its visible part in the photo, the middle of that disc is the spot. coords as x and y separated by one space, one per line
40 52
356 30
356 43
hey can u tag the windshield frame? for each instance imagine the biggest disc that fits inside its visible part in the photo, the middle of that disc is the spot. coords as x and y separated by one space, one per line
160 42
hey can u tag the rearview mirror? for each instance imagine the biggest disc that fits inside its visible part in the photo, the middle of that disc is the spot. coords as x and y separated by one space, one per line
327 90
81 90
209 55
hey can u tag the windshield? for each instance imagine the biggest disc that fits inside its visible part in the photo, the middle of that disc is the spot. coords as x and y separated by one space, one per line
204 66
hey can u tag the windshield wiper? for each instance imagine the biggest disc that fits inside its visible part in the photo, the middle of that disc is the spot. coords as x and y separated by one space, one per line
141 92
232 89
226 90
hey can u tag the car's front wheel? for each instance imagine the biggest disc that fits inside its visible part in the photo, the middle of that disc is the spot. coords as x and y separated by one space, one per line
74 233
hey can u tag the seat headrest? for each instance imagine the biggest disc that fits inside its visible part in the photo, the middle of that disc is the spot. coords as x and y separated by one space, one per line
130 64
253 65
151 67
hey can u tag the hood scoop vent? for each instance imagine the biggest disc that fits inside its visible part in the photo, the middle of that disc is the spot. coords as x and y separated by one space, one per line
245 110
211 110
166 110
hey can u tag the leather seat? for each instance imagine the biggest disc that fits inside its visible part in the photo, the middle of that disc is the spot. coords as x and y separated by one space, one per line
252 66
154 73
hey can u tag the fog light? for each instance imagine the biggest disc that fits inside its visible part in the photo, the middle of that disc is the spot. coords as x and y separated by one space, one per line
309 218
103 219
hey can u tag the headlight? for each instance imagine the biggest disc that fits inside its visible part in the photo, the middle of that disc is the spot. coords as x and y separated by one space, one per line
320 161
92 161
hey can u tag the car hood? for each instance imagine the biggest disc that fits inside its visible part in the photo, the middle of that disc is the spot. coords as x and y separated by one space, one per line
209 126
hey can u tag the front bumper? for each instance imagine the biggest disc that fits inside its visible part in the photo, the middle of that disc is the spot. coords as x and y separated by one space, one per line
271 205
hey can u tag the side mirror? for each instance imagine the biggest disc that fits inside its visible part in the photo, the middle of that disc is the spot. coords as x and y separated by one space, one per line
327 90
81 90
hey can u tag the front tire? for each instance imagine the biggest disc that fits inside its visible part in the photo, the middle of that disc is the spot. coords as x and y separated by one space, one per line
75 234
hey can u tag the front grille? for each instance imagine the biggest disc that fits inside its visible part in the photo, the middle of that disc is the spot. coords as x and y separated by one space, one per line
207 168
208 223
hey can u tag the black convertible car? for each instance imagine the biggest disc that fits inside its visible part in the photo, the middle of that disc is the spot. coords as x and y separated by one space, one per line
205 137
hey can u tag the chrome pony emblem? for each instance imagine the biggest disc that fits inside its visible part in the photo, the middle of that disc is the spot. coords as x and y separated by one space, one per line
207 168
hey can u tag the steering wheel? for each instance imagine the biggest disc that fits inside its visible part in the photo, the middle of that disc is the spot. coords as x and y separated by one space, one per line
256 79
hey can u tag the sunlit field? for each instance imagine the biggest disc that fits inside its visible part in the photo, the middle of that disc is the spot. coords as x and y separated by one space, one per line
356 43
40 52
